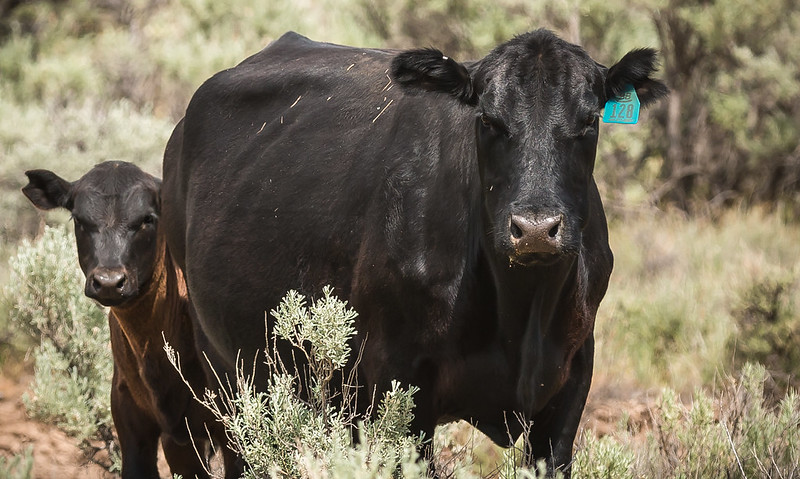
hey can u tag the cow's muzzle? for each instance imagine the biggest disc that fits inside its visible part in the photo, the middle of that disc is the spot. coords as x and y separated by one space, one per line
109 286
536 239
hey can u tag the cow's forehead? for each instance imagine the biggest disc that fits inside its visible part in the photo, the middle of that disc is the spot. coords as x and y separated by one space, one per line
537 71
117 193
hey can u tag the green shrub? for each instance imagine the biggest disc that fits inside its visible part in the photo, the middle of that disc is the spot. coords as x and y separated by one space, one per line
19 466
769 329
73 363
670 314
281 433
603 458
733 433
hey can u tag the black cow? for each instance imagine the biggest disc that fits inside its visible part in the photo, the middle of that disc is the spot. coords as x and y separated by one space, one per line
453 204
122 252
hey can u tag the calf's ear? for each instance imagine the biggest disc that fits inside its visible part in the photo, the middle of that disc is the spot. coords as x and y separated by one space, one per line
46 190
430 70
635 69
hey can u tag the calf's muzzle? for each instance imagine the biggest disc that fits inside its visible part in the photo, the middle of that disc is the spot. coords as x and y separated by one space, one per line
108 286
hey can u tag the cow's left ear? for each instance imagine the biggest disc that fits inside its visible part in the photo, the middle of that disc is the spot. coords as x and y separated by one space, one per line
635 69
46 190
429 69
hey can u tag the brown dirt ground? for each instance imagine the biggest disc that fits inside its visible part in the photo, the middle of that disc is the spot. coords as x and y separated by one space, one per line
57 456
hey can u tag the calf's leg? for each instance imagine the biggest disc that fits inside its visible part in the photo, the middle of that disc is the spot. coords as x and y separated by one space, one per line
138 434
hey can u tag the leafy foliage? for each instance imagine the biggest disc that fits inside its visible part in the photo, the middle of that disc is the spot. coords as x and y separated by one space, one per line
73 365
730 130
732 434
283 433
19 466
769 330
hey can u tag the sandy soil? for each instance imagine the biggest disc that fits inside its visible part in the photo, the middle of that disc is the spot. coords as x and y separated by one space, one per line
56 456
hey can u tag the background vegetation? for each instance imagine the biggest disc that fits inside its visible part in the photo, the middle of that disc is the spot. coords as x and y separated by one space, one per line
703 195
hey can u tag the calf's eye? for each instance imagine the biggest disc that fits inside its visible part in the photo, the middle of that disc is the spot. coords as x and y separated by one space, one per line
147 221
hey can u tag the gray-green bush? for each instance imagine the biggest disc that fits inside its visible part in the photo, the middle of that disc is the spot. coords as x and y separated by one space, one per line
733 433
19 466
73 366
768 322
283 433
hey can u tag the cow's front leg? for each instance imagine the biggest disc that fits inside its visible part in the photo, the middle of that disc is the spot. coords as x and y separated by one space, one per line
183 459
553 429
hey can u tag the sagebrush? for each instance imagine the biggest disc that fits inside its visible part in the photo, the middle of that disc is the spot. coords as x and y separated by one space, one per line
283 432
73 366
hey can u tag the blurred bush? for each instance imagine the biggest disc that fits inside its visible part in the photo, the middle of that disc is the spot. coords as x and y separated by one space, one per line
736 432
730 131
768 322
19 466
73 366
674 303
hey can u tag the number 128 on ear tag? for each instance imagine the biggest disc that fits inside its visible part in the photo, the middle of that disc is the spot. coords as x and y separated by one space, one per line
624 108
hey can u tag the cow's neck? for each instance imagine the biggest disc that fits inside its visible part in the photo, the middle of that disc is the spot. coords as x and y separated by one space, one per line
160 308
540 322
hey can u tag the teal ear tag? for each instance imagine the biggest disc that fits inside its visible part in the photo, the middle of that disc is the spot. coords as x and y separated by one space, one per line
624 108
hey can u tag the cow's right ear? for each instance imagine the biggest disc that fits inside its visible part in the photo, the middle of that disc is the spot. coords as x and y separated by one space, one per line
429 69
46 190
636 68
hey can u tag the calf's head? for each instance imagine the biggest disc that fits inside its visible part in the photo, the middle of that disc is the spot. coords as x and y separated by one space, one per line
536 100
115 209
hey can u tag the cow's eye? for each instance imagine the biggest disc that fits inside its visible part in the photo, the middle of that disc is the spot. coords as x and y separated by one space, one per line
589 123
147 221
83 226
493 125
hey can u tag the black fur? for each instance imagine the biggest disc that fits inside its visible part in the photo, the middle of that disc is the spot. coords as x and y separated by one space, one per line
429 69
635 69
469 235
46 190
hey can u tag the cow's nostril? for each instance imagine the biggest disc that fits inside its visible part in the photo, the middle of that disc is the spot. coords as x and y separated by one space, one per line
121 283
516 231
96 284
554 230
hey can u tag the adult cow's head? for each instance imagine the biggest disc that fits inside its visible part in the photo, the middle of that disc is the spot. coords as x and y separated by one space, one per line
537 100
115 208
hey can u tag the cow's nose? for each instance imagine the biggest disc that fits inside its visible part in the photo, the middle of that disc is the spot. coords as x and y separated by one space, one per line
106 285
532 235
